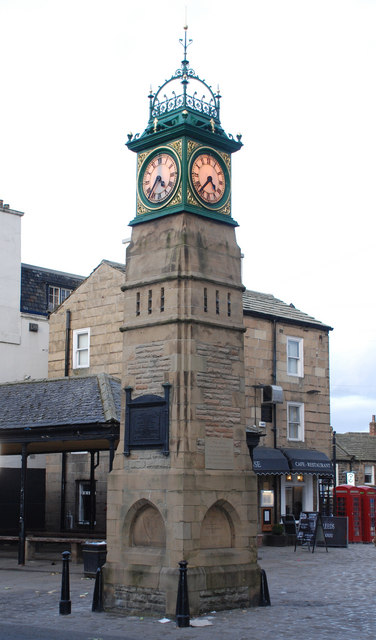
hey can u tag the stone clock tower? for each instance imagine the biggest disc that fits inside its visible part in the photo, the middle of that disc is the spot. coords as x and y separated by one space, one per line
182 486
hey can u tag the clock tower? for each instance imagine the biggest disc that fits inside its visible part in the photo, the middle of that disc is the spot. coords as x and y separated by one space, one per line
182 485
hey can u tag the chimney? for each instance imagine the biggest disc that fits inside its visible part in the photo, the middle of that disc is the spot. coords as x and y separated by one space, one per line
372 427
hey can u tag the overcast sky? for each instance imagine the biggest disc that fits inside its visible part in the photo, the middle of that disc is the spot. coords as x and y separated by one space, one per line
298 81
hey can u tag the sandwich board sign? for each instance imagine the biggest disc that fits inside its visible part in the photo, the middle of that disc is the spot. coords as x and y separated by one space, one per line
310 531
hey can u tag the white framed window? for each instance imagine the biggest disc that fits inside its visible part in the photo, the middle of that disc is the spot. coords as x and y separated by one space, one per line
57 295
295 364
295 421
83 502
81 348
369 474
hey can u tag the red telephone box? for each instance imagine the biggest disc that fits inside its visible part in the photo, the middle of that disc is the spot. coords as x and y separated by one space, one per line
348 504
368 500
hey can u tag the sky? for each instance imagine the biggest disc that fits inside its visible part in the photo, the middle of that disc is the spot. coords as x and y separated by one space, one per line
297 80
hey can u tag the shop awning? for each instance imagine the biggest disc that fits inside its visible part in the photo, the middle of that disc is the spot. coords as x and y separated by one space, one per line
269 461
308 461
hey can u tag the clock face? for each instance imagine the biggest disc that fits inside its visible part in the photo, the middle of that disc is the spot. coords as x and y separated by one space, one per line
208 178
159 178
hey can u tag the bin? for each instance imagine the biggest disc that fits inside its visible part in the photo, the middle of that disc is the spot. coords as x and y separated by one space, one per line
94 554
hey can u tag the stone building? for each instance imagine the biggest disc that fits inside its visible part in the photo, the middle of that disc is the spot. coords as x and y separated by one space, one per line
356 453
287 356
284 347
85 340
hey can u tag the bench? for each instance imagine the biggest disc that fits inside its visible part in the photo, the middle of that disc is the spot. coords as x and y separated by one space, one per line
75 545
9 538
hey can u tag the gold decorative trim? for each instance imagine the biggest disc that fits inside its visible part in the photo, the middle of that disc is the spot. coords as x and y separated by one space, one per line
177 199
226 211
191 198
140 159
226 159
177 145
192 146
141 209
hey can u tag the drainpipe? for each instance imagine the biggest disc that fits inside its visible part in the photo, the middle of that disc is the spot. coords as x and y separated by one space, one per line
22 526
334 476
63 481
93 465
274 381
276 481
67 342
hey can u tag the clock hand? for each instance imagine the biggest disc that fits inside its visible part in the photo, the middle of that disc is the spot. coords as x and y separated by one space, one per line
209 179
157 179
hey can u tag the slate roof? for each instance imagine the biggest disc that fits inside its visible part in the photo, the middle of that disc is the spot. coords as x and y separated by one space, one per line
360 445
267 306
59 402
34 287
116 265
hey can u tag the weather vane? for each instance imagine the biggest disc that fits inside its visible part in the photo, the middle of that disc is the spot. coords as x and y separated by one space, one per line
185 44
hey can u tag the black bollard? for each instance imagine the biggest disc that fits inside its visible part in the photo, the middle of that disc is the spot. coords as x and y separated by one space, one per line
182 603
98 592
264 600
65 603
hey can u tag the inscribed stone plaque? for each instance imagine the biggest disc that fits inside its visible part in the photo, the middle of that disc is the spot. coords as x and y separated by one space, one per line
219 453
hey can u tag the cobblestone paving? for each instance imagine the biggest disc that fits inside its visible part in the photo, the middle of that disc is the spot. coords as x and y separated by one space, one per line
319 596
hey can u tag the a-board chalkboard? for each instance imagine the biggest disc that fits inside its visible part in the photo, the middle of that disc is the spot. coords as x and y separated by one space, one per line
310 530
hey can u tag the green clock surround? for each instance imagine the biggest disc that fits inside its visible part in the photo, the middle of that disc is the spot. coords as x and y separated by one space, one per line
159 177
209 178
186 128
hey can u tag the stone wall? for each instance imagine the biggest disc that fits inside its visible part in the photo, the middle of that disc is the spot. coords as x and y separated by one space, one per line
312 389
97 305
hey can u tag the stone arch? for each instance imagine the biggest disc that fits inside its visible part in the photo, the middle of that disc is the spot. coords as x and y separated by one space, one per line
217 528
145 525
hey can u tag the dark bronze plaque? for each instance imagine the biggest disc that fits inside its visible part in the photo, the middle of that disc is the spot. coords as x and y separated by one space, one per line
146 425
147 421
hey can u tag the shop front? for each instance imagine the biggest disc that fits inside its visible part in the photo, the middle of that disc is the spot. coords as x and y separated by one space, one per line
289 481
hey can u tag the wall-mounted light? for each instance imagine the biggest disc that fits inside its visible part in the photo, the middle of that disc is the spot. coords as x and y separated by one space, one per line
300 477
289 477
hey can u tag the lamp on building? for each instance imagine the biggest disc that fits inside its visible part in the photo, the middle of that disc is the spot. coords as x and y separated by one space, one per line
289 477
300 477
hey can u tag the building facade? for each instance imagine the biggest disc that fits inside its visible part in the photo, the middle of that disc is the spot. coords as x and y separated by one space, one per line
287 355
356 454
284 348
27 295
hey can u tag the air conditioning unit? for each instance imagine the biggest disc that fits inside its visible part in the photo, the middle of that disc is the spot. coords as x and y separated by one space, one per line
272 394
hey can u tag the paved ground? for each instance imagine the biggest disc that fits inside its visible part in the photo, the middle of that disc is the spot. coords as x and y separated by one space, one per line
317 596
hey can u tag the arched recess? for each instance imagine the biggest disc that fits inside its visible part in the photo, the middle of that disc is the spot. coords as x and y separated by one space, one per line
217 528
145 525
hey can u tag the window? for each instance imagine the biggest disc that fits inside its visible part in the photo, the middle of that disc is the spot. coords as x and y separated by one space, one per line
56 296
369 474
295 357
81 348
217 302
295 421
138 303
205 300
162 299
229 304
150 301
83 502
